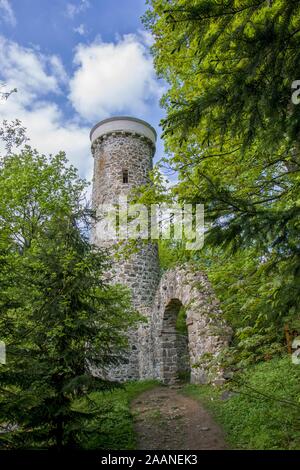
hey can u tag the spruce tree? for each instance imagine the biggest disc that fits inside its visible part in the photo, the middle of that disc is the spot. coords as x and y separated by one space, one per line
232 132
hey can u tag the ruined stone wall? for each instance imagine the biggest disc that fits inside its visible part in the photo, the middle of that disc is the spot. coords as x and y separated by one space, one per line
208 333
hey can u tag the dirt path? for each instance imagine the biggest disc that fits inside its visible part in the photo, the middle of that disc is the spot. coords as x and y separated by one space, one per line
167 420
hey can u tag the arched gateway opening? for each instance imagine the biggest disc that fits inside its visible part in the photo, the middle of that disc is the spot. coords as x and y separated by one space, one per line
175 344
175 351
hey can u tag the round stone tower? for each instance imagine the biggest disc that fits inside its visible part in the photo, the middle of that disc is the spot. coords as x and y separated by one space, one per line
123 148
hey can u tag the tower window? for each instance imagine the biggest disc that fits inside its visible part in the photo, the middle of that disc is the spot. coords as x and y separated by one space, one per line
125 176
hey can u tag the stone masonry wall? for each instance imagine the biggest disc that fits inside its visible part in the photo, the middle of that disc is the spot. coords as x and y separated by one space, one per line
113 154
208 333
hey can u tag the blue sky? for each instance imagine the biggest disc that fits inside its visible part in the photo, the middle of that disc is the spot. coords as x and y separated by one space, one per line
75 62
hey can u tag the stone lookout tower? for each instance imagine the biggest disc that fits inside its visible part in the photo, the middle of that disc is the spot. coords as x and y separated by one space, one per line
123 148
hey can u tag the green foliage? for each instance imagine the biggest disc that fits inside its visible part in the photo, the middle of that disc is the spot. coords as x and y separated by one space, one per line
244 286
232 134
58 315
230 68
181 326
264 411
112 425
171 253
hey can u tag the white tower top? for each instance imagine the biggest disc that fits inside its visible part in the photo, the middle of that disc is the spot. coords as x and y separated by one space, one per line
123 124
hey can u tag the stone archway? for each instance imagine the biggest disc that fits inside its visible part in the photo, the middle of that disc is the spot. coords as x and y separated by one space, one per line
176 358
208 333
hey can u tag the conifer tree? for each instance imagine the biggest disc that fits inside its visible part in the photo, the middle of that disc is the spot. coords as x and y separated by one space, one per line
232 131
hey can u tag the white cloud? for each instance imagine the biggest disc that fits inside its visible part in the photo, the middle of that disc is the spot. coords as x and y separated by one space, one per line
49 132
7 12
80 30
113 78
74 9
109 78
35 75
147 37
57 68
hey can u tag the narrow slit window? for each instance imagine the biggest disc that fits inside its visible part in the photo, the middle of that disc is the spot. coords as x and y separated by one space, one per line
125 176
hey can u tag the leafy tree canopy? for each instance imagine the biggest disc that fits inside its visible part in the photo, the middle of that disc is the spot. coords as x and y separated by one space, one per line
59 318
231 132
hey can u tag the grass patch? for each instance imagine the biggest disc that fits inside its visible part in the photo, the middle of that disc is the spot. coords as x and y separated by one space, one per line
113 427
265 412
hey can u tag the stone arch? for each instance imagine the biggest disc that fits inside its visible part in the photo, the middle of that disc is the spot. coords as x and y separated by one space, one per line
208 333
175 360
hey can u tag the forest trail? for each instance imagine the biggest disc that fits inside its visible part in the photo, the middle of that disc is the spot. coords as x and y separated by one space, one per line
166 420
